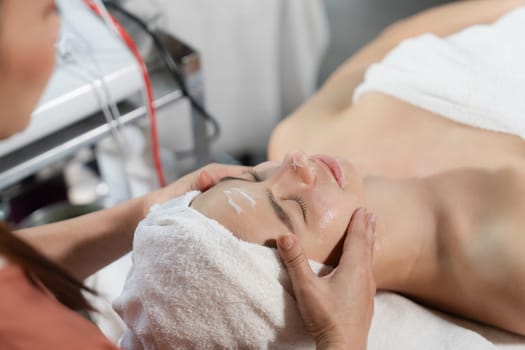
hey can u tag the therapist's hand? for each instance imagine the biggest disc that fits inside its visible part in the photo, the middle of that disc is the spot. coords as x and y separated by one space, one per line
201 180
337 309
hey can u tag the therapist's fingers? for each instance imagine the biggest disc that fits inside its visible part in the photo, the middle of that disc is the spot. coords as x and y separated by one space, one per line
201 180
204 181
358 249
295 261
211 174
336 309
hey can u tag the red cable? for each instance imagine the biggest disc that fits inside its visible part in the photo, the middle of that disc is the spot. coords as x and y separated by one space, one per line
149 90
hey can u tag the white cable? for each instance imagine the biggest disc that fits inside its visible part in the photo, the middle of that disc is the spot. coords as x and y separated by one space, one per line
109 23
102 94
98 71
106 17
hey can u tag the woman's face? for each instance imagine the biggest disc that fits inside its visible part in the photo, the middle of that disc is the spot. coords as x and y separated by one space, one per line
28 32
313 197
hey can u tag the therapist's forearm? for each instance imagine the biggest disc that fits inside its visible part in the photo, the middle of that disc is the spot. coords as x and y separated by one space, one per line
85 244
359 344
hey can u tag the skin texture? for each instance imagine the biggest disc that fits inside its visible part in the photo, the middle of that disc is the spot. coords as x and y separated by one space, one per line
443 240
327 207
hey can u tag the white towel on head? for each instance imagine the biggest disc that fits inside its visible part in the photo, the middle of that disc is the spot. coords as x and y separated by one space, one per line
475 77
194 285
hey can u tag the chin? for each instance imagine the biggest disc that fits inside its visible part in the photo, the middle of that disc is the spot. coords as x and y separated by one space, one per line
351 175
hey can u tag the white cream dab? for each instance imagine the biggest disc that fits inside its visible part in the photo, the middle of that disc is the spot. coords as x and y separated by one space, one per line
246 196
296 164
232 203
327 219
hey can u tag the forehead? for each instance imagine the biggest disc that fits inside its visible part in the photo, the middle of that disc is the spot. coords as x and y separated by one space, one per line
243 208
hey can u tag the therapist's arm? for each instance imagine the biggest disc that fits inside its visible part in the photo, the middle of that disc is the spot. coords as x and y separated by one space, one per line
336 309
86 244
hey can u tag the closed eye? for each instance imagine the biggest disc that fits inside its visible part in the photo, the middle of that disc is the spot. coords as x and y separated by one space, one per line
302 205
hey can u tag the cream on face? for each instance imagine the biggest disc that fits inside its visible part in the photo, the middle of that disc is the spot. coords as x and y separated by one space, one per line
233 203
326 219
297 162
245 195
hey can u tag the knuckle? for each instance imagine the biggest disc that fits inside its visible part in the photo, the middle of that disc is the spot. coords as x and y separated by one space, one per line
296 260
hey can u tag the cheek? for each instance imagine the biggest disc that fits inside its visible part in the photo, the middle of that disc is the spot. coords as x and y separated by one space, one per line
333 211
27 62
29 48
33 64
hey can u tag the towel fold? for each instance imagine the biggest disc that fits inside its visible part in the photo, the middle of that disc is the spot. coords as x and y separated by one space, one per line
475 77
194 285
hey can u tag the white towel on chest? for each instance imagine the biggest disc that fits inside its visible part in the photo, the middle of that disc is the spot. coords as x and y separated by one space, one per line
475 77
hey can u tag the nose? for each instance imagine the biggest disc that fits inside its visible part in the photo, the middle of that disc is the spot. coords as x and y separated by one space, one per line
301 166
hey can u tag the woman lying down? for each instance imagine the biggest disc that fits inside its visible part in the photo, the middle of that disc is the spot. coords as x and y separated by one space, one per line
434 132
197 282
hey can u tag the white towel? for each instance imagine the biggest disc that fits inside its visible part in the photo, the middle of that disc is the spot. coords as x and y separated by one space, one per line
475 77
194 285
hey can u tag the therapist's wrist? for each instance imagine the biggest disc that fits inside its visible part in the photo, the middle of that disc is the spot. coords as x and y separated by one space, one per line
340 346
332 346
343 342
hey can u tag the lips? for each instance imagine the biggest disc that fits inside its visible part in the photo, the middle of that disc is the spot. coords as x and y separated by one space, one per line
333 167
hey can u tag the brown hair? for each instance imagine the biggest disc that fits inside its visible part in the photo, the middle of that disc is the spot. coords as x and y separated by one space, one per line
42 272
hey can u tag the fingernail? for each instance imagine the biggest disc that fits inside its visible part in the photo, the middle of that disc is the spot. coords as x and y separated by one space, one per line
286 242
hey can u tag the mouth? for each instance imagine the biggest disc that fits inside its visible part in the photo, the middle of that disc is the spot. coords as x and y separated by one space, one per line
332 166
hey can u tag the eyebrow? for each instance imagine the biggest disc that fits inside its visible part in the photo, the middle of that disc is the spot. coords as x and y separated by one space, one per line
279 211
277 208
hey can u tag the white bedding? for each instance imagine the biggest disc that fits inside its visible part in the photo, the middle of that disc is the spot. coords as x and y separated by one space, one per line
401 324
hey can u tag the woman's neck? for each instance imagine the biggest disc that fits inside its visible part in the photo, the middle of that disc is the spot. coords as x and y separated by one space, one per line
406 230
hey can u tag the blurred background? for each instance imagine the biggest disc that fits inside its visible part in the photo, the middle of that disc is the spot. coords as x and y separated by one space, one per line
261 60
353 23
